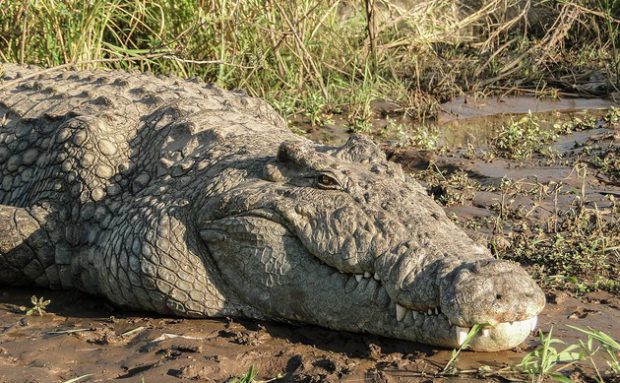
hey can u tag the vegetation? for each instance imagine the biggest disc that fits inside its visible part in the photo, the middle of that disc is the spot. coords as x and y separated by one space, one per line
546 361
575 244
250 377
316 58
607 343
574 248
247 378
450 367
523 137
38 306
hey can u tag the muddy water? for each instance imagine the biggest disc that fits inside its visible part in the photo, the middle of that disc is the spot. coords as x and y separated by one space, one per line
466 107
465 123
82 335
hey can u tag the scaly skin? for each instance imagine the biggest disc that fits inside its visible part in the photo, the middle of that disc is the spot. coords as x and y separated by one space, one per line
180 198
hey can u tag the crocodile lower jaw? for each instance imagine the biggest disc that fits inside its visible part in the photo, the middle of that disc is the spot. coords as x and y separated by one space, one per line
501 336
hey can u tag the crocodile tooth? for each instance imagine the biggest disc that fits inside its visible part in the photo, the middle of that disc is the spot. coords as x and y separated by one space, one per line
486 331
436 311
461 334
533 323
367 274
400 312
430 312
376 277
358 277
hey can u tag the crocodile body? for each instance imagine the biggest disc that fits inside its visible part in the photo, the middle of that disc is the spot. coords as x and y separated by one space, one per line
180 198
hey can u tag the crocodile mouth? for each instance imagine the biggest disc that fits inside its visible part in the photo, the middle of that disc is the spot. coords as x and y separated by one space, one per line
500 329
489 337
400 322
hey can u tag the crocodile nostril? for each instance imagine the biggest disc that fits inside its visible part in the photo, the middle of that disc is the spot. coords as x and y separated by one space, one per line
498 297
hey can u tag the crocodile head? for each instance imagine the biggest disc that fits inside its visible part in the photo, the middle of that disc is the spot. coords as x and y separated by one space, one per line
341 238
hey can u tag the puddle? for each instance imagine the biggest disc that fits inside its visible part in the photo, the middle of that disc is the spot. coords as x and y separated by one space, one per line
463 107
479 131
464 123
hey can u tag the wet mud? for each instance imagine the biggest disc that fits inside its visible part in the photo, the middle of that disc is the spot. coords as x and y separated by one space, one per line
83 336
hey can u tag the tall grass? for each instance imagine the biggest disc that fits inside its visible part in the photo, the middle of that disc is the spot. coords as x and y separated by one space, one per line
326 56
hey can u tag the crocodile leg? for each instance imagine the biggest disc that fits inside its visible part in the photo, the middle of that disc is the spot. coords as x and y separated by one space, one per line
26 252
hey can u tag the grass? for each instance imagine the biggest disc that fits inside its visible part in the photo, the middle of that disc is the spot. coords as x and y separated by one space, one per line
521 138
607 343
573 244
529 135
575 249
450 367
315 58
250 377
547 361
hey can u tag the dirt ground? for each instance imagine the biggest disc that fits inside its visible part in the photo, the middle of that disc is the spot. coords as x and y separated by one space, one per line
82 336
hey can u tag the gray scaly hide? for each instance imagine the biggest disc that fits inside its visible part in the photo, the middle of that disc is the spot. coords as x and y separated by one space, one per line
180 198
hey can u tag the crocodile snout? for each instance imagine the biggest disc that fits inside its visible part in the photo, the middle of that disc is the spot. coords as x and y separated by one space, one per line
490 291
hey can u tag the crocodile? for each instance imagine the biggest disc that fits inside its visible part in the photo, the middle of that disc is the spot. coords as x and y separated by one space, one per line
177 197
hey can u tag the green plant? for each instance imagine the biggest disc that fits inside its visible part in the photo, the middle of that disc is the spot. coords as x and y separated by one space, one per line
521 138
450 367
573 248
545 359
247 378
250 377
314 109
424 137
361 123
611 347
38 306
610 9
612 116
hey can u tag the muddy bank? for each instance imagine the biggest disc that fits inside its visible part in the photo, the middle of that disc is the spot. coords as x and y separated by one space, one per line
82 335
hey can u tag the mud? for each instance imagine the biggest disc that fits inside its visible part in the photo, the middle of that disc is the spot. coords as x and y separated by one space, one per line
82 336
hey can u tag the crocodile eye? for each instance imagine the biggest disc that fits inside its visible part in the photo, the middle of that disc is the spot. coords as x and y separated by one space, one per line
326 181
